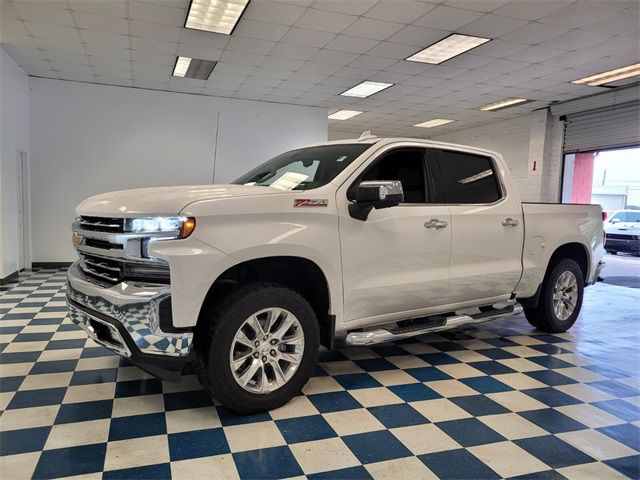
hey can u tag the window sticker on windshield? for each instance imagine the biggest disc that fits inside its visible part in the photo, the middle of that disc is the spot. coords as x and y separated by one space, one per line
289 181
340 159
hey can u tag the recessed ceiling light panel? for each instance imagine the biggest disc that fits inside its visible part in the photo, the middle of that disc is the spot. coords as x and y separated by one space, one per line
218 16
193 68
344 114
610 76
508 102
436 122
365 89
447 48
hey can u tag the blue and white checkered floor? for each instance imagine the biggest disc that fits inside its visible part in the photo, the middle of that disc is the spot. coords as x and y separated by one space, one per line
500 400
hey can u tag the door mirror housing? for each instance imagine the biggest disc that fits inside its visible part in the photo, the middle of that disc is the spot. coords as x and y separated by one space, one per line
375 194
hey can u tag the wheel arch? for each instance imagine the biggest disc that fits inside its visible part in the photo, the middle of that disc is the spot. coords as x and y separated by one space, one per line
297 273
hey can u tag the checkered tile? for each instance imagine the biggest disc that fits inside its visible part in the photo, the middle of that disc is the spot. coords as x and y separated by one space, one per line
500 400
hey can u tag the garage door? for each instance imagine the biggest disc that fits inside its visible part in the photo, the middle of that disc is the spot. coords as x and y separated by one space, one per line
603 128
602 121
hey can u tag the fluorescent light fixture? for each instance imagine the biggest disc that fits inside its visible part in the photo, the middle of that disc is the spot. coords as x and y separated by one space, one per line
182 65
436 122
610 76
193 68
344 114
447 48
365 89
218 16
508 102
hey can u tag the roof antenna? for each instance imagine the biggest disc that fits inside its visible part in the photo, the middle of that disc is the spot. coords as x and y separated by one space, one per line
366 135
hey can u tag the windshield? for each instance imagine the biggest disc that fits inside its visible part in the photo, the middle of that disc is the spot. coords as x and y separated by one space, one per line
626 217
304 168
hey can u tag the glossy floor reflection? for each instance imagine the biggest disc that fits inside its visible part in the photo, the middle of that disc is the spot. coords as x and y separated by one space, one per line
499 400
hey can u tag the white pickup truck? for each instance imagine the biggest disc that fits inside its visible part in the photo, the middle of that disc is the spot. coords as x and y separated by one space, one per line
354 242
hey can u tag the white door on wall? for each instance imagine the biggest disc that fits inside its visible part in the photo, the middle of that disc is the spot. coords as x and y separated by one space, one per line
22 201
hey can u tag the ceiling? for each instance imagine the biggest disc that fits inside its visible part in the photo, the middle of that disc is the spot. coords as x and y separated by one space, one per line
309 51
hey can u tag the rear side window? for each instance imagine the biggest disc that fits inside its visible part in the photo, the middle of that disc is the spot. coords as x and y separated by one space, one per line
464 178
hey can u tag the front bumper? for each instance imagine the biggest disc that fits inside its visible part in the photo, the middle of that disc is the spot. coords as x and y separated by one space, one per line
126 319
622 245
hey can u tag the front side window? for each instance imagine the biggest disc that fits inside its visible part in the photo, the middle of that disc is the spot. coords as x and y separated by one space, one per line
404 164
461 178
304 168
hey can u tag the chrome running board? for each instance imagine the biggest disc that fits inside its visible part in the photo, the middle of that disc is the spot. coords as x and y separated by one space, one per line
372 337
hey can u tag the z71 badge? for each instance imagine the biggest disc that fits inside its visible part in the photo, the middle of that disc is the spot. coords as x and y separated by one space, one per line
310 202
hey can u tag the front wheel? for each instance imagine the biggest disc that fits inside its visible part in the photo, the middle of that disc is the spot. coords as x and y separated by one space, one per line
262 346
560 299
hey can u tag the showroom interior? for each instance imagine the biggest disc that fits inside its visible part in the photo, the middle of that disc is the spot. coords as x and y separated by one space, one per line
102 96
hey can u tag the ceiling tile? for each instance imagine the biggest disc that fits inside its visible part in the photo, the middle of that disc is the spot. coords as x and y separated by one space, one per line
418 36
114 8
477 5
492 26
101 23
296 52
534 33
375 29
447 18
58 45
314 67
155 58
350 7
374 63
333 57
529 9
103 38
196 51
345 43
579 15
155 46
499 49
104 51
260 30
52 31
392 11
205 39
576 39
535 54
392 50
250 45
43 12
272 12
281 63
155 13
325 21
154 31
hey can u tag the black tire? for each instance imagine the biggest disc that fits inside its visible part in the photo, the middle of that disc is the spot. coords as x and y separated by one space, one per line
543 317
211 353
611 252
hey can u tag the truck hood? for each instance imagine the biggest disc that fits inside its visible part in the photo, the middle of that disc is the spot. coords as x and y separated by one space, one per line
162 200
622 227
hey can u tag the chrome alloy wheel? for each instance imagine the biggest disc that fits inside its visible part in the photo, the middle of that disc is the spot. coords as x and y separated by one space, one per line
267 350
565 295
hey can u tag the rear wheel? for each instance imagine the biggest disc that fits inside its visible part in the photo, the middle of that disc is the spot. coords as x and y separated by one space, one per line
262 345
611 252
560 299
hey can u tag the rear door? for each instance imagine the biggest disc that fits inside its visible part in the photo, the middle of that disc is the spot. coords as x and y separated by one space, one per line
486 226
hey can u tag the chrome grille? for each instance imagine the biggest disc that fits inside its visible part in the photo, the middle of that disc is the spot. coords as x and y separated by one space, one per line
102 224
111 255
102 268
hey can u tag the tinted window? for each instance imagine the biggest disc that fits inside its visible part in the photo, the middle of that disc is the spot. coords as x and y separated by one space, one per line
304 168
406 165
464 178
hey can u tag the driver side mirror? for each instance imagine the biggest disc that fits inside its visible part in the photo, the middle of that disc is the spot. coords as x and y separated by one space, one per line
375 194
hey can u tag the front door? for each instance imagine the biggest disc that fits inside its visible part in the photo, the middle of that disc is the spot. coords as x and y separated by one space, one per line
397 260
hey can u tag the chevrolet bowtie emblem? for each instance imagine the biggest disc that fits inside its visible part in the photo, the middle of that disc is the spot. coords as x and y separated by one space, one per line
76 240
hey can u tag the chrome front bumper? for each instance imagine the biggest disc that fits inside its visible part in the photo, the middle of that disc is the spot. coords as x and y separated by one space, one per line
124 318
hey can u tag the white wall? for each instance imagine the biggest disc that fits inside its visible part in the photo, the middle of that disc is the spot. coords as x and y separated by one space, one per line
14 136
521 141
87 139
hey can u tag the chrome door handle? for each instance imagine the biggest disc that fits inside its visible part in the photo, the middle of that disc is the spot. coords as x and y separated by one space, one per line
435 223
510 222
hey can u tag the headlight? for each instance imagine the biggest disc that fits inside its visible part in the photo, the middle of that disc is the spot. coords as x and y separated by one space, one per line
182 225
